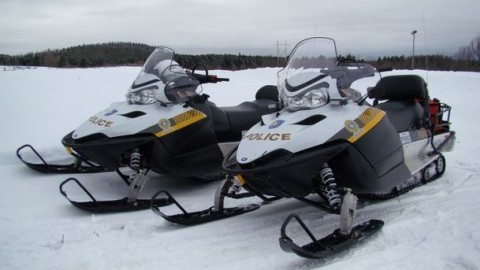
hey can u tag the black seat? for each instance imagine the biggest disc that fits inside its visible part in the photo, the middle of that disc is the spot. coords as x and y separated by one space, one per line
246 114
406 102
229 122
267 92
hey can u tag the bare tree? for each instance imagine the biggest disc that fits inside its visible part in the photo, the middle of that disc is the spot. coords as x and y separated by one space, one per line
471 51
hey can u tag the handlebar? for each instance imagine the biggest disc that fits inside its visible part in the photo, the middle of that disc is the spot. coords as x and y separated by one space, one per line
384 69
217 79
209 78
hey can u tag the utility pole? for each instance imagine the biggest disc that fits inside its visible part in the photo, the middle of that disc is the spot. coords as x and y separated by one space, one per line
284 53
278 53
413 48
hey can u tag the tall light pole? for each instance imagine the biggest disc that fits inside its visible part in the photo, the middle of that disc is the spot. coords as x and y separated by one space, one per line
413 48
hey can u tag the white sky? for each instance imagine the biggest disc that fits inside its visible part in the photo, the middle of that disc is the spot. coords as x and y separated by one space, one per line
361 27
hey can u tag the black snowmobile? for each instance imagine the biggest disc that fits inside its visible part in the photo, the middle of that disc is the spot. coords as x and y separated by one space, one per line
327 146
165 125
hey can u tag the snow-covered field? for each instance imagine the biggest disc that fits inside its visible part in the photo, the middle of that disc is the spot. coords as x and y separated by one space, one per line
436 226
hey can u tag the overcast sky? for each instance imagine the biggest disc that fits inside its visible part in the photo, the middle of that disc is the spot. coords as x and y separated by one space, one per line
361 27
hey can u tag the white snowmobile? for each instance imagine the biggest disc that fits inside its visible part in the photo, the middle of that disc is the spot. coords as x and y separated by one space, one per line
165 125
328 146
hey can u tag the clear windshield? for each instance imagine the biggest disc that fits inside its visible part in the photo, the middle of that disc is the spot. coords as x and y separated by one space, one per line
313 77
164 78
161 54
307 61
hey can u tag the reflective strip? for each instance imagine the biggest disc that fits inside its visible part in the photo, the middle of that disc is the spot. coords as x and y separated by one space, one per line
180 121
370 118
240 179
69 150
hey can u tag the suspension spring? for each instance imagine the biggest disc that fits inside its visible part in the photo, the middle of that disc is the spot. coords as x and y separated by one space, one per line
330 190
135 160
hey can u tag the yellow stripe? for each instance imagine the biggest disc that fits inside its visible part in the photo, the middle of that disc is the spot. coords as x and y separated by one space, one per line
370 117
182 120
69 150
240 179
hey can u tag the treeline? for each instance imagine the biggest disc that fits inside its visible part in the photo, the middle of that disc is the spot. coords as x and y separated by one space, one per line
227 61
97 55
124 54
426 62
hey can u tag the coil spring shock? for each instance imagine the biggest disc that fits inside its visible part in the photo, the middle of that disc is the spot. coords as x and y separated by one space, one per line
135 160
137 178
330 190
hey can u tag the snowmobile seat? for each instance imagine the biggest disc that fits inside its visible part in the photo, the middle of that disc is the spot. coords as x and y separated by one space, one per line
267 92
246 114
229 122
406 100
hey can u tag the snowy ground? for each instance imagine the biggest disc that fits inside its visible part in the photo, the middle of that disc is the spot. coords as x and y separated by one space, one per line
436 226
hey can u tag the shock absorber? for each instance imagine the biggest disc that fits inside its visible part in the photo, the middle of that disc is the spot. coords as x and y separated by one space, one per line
137 178
135 160
330 188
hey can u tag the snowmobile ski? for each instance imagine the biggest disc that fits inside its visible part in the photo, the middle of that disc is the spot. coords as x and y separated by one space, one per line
330 244
227 188
111 206
198 217
80 165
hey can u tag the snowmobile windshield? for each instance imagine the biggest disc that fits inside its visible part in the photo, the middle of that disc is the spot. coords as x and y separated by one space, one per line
303 83
162 79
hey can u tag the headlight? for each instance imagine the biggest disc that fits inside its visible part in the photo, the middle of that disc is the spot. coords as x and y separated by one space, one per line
306 100
143 96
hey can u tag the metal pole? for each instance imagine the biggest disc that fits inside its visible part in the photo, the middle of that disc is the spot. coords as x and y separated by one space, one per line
278 54
413 48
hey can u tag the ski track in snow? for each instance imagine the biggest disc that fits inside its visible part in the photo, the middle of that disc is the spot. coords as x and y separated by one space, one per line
435 226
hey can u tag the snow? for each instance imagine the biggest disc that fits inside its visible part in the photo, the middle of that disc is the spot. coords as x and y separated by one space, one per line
436 226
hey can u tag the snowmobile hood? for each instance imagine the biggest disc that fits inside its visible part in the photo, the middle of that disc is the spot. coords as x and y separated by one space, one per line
302 130
123 119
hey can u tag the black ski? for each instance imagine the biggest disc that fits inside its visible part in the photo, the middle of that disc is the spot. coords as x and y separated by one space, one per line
79 166
115 206
198 217
111 206
332 243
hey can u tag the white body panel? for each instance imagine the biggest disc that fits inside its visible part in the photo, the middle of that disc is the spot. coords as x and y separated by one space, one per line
283 132
113 123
